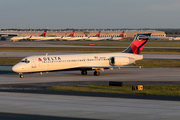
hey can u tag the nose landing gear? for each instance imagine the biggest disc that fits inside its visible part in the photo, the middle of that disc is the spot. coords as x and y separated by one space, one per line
21 75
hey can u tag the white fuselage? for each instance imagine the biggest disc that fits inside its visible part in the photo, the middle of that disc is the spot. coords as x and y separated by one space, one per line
14 39
64 62
116 38
99 38
73 38
44 38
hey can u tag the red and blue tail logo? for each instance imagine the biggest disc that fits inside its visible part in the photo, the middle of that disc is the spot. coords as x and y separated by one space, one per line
44 34
72 34
138 43
122 34
98 34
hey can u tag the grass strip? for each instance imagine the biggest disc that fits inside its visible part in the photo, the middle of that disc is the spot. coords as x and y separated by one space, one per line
9 61
158 63
159 89
86 50
121 44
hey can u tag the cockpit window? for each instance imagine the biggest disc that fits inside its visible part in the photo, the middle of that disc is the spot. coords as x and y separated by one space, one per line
25 60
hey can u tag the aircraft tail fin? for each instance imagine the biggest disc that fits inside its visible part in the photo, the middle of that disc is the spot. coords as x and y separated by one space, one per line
138 43
72 34
122 34
44 34
98 34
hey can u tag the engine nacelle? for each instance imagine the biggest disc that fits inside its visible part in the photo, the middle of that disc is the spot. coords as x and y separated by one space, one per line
120 61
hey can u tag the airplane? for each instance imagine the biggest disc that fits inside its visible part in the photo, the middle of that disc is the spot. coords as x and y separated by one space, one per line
24 38
118 37
43 37
71 37
32 38
83 62
19 38
97 37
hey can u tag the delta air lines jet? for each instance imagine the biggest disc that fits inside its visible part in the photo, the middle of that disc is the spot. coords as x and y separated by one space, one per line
23 38
71 37
83 62
41 37
118 37
97 37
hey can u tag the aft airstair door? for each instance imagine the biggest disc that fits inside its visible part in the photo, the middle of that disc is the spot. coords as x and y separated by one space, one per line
34 63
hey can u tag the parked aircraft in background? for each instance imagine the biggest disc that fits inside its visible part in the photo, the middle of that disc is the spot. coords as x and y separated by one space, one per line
43 35
19 38
96 37
83 62
72 38
24 38
32 38
118 37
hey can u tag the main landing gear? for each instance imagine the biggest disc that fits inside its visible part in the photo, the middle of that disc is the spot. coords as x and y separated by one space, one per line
96 72
84 72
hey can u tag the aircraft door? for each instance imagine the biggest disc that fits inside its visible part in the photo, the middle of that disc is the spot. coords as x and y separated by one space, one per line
33 63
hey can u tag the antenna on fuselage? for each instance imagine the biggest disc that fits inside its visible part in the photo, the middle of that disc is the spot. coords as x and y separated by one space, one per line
46 54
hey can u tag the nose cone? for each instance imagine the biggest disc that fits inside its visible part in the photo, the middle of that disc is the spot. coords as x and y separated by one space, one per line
17 68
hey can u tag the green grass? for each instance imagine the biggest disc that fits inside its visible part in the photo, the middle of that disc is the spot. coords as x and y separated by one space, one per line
163 90
121 44
45 49
95 44
9 61
86 50
158 63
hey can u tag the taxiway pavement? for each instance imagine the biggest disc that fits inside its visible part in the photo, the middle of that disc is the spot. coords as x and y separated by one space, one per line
88 107
123 74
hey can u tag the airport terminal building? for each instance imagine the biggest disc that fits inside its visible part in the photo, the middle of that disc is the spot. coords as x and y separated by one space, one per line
127 33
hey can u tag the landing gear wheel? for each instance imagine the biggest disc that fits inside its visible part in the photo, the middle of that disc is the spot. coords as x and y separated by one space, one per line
84 72
97 73
21 75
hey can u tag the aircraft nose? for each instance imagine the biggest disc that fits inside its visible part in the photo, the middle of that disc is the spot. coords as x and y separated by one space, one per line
17 68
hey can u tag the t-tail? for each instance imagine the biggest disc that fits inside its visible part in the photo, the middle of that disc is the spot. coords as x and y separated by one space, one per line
122 34
44 34
72 34
98 34
138 43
